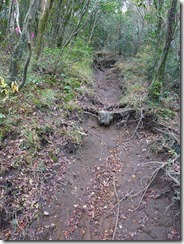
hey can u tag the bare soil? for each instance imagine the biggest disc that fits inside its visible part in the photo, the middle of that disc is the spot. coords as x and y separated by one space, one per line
98 189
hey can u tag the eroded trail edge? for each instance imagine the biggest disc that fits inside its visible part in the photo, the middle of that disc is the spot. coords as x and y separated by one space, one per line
100 191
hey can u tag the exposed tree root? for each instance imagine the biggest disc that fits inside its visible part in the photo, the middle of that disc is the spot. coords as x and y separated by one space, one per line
168 127
125 115
169 133
86 112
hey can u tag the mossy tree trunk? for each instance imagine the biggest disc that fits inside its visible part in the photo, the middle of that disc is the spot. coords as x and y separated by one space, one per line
157 82
42 25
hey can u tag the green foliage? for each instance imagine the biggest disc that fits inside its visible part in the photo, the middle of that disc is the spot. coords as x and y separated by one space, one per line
34 79
139 3
165 113
146 56
78 60
31 139
133 83
45 99
51 52
48 96
173 67
4 88
155 89
53 156
2 116
80 51
34 137
47 61
41 167
75 134
108 6
5 130
71 105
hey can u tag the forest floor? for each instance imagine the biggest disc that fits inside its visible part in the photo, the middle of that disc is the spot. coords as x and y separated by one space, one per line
112 187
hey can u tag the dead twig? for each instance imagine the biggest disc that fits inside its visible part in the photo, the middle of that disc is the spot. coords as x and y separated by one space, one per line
169 173
170 134
168 207
165 126
118 209
86 112
137 127
174 179
153 162
178 156
154 174
123 198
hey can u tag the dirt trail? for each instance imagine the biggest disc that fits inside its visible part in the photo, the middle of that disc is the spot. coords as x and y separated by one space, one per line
105 170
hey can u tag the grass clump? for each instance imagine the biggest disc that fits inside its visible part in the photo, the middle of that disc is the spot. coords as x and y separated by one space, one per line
75 134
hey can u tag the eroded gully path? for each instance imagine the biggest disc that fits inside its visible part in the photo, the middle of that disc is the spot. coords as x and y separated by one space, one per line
105 170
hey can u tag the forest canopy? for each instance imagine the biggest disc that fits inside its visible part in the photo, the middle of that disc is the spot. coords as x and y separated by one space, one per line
150 29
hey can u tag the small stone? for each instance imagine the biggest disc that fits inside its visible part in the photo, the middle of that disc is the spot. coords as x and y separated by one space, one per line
52 225
45 213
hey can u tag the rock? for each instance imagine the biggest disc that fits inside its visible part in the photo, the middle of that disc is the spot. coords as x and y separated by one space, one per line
105 117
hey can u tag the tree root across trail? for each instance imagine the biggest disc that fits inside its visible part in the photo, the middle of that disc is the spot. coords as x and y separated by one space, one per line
112 187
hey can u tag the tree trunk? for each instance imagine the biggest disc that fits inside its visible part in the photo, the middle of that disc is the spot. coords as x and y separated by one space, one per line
42 25
93 26
158 78
18 51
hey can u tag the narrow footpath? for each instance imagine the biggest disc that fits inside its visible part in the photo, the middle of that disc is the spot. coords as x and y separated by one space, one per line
101 192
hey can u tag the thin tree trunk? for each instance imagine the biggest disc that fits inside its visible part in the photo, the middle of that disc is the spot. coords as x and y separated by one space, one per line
94 25
158 78
27 63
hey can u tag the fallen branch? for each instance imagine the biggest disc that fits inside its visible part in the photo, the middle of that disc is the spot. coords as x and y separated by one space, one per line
174 179
123 198
154 174
118 204
153 162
